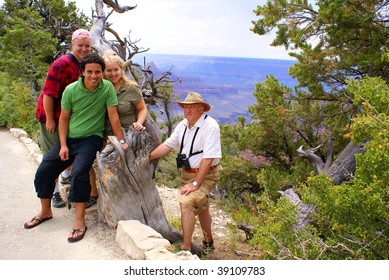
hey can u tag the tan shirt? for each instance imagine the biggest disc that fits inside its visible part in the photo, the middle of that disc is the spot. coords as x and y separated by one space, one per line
128 97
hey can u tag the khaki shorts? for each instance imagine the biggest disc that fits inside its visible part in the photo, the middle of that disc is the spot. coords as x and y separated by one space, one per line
198 200
48 139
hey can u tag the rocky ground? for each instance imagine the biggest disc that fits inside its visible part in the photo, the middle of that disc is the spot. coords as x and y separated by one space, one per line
229 245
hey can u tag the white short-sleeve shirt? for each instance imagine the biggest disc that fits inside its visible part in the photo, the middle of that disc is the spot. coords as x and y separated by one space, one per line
207 140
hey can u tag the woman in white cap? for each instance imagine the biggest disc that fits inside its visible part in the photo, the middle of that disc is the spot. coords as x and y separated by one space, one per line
63 71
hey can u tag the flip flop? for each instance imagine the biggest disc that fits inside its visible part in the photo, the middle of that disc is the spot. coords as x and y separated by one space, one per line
40 220
79 237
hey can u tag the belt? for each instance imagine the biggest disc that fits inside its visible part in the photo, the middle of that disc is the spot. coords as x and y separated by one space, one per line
194 170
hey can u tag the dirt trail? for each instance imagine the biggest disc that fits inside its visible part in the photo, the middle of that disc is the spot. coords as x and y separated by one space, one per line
49 240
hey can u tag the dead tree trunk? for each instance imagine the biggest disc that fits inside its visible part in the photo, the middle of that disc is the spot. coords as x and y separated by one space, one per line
339 171
343 168
304 210
126 187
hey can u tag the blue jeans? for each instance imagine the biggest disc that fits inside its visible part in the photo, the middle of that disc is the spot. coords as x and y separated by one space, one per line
82 153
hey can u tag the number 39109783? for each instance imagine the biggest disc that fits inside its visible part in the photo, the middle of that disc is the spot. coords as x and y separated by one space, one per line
244 270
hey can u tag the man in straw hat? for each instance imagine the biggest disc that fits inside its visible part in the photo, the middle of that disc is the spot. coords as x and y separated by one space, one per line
197 139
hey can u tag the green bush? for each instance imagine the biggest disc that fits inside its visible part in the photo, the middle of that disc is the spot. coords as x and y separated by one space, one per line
351 220
167 172
17 108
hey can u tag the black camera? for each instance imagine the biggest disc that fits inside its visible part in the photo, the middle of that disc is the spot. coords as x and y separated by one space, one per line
182 161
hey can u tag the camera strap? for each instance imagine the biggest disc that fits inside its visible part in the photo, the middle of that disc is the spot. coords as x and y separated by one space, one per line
191 147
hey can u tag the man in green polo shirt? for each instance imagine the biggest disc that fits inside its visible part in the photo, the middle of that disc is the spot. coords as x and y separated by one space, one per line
85 104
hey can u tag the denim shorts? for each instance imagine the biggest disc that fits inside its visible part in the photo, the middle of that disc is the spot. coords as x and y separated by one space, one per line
82 153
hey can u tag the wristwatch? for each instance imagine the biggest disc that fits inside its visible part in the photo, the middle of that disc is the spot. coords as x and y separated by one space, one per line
194 183
122 142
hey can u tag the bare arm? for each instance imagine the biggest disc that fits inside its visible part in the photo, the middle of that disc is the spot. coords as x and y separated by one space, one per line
63 128
159 151
142 113
205 165
115 124
48 105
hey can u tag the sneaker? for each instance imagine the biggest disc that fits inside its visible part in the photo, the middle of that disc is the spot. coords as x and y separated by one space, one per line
207 247
65 180
92 201
58 201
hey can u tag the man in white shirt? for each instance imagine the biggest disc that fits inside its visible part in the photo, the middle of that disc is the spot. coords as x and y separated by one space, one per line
197 139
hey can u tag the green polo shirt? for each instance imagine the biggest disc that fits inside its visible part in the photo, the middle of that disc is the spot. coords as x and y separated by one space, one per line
88 109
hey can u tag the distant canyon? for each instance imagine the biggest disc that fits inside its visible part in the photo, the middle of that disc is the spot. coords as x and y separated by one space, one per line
226 83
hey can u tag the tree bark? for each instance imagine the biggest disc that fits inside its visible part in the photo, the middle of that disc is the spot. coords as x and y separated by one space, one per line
341 170
126 188
304 210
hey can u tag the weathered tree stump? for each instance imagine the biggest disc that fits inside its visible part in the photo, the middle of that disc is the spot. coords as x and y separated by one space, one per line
126 187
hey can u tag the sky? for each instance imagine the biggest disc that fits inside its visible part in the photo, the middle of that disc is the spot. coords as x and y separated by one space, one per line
193 27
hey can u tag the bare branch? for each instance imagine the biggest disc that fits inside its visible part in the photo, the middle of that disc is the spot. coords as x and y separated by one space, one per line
284 250
117 8
310 155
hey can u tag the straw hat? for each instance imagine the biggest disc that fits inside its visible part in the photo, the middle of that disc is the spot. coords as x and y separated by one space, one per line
194 98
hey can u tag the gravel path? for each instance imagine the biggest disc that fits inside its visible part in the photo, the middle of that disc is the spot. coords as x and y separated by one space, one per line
48 241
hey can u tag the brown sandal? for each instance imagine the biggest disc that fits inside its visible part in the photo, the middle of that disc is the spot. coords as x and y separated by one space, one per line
39 221
79 237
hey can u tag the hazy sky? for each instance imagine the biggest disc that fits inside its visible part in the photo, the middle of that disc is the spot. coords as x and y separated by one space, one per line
193 27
